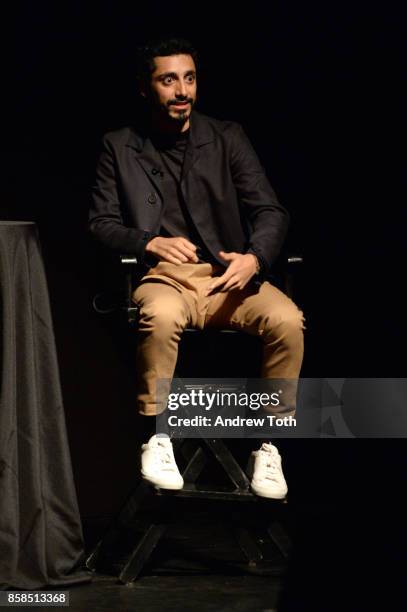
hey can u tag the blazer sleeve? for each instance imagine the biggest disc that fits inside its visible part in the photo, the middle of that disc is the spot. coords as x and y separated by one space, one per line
105 216
268 219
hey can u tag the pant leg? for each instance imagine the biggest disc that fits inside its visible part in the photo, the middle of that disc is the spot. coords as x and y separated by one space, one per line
163 315
267 312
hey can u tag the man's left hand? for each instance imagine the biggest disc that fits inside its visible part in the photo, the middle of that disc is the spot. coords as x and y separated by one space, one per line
240 270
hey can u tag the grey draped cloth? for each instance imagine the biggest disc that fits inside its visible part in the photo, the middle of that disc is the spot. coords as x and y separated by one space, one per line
41 541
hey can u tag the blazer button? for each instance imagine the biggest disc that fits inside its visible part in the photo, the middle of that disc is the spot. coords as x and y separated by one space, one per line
152 198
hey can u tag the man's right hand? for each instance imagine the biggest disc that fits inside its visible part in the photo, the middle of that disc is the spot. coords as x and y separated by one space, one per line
174 250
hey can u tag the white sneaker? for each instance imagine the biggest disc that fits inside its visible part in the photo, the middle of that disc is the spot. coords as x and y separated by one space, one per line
268 478
158 464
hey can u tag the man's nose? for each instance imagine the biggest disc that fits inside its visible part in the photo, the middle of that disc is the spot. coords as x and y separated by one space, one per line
181 89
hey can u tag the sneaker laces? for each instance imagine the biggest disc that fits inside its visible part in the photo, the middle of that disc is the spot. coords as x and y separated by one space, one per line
164 455
269 460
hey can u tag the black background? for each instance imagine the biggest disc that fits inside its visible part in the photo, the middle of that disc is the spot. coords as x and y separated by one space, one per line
317 87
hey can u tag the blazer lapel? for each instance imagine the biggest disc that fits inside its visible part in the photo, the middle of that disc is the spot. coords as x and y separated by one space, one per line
148 158
200 134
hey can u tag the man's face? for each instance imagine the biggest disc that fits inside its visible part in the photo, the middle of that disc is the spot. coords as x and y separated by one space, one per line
173 87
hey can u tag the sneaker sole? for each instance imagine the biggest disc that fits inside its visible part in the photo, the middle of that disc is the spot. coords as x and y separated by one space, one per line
264 493
173 487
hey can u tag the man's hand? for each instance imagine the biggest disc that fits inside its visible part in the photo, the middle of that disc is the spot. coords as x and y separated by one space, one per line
174 250
240 270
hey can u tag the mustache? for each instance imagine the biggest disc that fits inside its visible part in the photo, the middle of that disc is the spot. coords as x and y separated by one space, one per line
180 100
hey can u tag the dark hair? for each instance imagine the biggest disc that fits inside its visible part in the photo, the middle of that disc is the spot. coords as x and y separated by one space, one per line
161 48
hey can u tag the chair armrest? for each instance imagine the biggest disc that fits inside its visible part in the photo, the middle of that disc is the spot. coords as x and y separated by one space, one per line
293 262
294 259
130 307
126 259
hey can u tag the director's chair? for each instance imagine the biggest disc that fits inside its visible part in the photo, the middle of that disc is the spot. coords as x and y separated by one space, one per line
194 455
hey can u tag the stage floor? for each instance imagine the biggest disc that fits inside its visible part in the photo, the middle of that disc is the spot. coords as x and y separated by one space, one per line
176 592
199 566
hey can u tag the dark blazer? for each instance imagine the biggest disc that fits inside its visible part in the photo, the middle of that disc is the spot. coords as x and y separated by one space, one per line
228 195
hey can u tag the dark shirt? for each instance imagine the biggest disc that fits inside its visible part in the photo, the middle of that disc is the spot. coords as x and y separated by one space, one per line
176 219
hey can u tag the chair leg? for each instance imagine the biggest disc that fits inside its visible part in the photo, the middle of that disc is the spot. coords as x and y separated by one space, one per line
142 553
280 538
112 534
248 546
105 544
195 466
228 462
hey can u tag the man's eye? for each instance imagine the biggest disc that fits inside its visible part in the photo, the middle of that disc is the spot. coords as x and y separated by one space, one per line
167 80
190 79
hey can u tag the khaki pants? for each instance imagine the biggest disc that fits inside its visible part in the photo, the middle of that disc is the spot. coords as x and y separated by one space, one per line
171 297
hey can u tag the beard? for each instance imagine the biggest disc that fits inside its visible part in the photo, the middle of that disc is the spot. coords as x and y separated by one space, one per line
181 117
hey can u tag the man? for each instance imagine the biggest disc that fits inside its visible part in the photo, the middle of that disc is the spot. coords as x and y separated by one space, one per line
187 195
